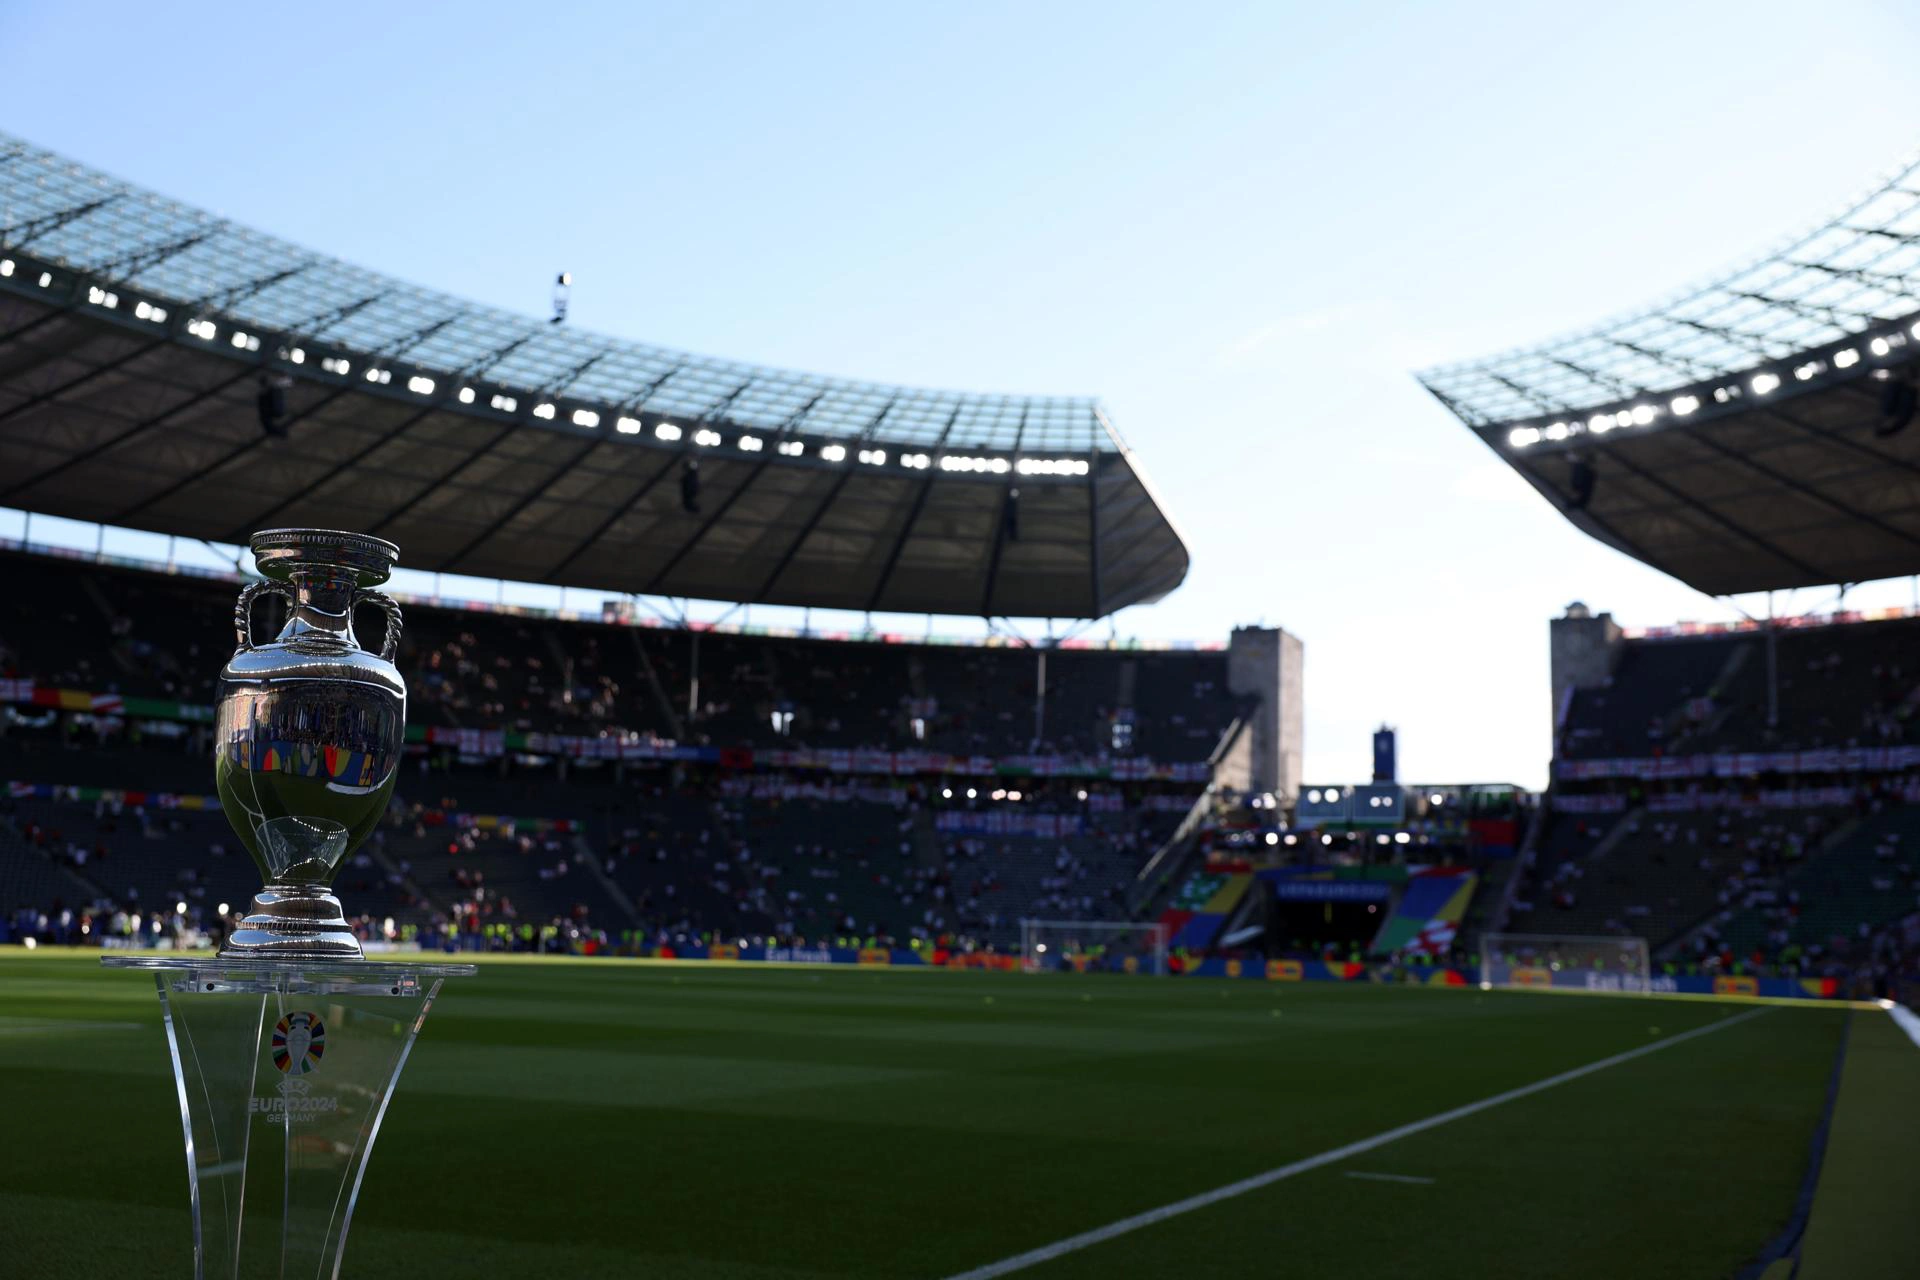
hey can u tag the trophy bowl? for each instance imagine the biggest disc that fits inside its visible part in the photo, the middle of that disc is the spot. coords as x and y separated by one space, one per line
307 738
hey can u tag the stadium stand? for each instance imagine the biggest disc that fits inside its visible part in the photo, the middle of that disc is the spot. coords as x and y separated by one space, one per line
144 634
1645 706
1740 799
609 850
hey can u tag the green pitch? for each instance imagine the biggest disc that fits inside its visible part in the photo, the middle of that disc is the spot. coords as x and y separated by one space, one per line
698 1122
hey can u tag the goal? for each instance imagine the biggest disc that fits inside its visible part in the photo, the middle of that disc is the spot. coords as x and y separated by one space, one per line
1558 960
1092 946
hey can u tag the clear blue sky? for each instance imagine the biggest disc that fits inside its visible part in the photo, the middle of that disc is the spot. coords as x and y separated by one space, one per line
1241 225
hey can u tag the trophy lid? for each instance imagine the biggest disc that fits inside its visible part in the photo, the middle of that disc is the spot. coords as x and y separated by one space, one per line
277 551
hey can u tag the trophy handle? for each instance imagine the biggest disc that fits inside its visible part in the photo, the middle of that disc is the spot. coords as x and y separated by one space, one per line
391 645
243 608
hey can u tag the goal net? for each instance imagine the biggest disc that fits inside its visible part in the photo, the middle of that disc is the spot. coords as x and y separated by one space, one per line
1555 960
1092 946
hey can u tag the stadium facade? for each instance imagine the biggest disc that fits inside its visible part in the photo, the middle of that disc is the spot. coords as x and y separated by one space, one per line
1745 435
162 368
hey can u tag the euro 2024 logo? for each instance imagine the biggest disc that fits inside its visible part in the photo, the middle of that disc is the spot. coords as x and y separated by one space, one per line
299 1042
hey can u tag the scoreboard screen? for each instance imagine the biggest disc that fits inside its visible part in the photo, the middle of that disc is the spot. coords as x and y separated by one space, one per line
1379 804
1322 807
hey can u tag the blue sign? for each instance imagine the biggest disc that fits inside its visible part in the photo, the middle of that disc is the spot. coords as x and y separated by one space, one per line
1383 754
1332 890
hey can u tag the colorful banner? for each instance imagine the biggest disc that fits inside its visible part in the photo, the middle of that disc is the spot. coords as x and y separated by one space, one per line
171 800
624 613
1690 801
1743 764
491 744
1255 970
1441 976
1428 915
1009 822
26 692
1302 890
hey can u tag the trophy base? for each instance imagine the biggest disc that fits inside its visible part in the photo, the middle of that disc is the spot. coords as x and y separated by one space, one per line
295 922
283 1071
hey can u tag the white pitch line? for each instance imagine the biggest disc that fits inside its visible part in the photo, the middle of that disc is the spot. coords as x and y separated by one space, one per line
1099 1235
60 1028
1905 1019
1390 1177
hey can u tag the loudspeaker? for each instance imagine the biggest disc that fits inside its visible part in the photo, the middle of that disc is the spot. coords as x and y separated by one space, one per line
271 404
1896 408
1580 479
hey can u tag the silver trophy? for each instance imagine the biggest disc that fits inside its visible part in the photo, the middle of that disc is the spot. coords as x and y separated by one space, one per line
287 1046
308 735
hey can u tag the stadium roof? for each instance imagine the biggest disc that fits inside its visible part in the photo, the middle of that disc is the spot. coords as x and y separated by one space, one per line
136 334
1744 435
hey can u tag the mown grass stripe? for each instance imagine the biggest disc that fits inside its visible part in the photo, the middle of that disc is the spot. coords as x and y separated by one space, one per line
1099 1235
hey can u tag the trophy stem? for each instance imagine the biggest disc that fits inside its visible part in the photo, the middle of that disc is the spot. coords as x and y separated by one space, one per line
296 922
283 1071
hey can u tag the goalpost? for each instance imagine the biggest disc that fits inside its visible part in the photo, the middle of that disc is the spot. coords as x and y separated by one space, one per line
1092 946
1560 960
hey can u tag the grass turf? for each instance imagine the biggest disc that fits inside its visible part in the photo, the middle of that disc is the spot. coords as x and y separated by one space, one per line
1863 1225
709 1122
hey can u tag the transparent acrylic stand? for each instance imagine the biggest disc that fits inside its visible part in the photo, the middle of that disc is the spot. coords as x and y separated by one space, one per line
284 1069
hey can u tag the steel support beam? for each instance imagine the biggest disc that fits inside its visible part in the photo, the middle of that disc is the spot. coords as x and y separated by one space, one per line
1847 509
451 563
913 514
1732 526
136 429
619 513
213 468
433 486
267 516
